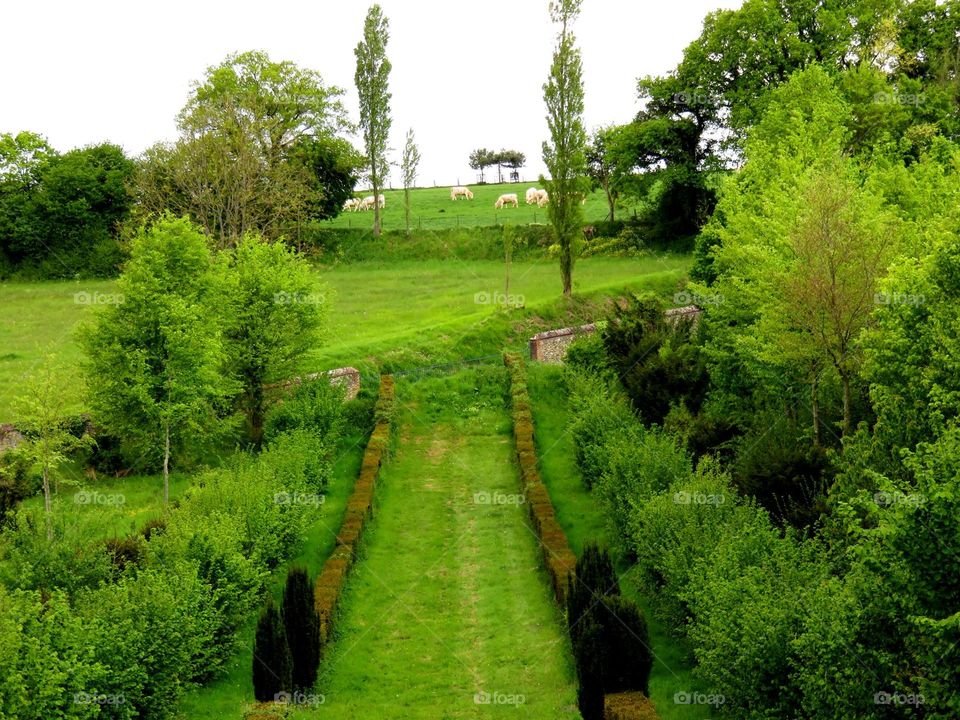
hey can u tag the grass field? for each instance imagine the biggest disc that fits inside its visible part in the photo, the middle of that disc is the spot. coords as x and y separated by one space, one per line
449 600
399 314
432 208
583 522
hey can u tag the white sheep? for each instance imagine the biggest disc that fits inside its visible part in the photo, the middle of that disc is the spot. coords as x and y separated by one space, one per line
532 195
507 199
366 203
382 200
351 204
542 198
460 191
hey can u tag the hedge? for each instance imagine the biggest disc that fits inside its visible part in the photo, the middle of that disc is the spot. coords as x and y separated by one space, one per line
330 582
557 555
628 706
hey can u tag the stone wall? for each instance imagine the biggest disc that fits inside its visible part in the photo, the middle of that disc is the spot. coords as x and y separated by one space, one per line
10 437
551 346
348 377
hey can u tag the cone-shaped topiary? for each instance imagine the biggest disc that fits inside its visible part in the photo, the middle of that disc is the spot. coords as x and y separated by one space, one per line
272 665
628 658
593 579
589 656
302 626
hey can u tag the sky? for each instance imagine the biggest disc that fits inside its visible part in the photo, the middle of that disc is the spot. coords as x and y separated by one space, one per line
465 74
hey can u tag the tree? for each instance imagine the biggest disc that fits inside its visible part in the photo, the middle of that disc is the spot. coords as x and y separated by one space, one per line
481 159
333 167
601 169
564 154
372 75
153 356
272 315
245 160
408 166
41 414
302 627
513 159
272 662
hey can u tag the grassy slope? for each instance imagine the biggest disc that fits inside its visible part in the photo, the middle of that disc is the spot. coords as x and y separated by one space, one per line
225 697
448 600
402 314
583 522
432 208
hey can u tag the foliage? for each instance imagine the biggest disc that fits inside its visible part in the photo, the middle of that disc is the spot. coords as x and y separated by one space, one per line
371 78
408 166
272 660
302 627
482 158
272 315
593 580
564 155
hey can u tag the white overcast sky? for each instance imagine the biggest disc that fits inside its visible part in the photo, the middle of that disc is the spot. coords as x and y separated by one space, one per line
466 73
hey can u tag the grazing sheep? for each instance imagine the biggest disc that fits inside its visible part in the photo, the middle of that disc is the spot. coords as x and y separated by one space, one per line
542 198
532 195
366 203
382 200
351 204
460 191
507 199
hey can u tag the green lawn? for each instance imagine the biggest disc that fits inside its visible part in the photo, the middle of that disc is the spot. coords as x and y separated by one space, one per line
432 208
583 522
449 600
399 315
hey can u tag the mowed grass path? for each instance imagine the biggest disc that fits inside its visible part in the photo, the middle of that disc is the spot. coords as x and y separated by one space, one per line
449 599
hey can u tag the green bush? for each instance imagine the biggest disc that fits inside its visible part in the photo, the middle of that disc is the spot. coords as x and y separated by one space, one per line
596 415
629 656
587 354
302 627
272 663
593 579
16 482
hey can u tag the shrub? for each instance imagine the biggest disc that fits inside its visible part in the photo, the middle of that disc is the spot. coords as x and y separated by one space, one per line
153 527
272 663
596 415
629 658
593 579
316 405
16 482
586 353
125 552
589 657
302 626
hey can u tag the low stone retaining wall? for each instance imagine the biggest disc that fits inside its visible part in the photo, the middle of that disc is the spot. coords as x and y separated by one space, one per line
551 346
349 377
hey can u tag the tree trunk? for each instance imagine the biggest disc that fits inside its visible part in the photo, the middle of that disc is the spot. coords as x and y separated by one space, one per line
376 210
847 410
47 503
815 409
166 463
406 207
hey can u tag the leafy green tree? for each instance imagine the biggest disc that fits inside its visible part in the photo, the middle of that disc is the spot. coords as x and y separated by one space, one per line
272 662
408 166
564 154
41 412
602 170
333 167
480 159
513 159
272 316
302 628
372 80
154 356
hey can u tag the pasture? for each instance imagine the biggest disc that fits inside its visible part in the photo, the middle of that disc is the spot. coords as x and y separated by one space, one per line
431 209
396 315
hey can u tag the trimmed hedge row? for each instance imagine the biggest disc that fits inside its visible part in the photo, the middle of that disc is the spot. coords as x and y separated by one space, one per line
628 706
557 555
359 510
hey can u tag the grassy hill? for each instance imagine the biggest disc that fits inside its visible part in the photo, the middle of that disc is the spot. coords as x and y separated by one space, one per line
432 208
